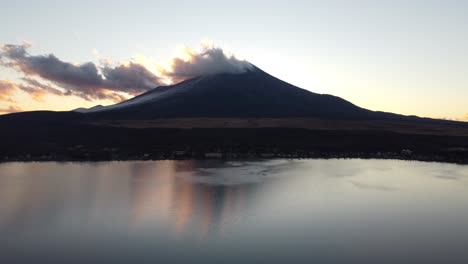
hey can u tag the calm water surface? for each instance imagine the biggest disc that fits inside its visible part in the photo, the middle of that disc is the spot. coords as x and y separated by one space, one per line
280 211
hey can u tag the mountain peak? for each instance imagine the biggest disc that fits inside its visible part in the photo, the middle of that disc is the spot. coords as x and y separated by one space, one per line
88 110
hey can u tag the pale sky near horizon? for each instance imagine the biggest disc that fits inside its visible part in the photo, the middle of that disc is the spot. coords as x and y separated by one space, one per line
406 57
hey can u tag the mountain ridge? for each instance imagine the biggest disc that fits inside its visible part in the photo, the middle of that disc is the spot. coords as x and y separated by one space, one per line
253 93
250 94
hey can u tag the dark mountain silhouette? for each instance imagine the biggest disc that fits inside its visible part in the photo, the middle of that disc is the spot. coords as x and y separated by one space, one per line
253 93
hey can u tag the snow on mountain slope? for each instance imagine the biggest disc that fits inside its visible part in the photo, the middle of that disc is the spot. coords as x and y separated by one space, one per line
152 96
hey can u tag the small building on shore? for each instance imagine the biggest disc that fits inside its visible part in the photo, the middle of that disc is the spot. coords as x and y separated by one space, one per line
213 155
267 155
179 153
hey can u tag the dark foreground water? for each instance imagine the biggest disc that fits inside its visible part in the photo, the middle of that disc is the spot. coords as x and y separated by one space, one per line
280 211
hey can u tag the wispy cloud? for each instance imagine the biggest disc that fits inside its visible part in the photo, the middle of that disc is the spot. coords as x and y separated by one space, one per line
86 80
34 88
7 88
38 90
10 109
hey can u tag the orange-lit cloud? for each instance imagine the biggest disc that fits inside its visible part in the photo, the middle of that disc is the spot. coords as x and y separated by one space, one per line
7 88
48 75
32 87
38 90
86 80
463 118
10 109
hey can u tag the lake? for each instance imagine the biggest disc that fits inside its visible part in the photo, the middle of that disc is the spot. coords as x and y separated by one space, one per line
272 211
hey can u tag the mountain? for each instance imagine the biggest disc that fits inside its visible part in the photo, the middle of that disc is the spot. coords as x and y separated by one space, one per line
253 93
243 115
88 110
250 94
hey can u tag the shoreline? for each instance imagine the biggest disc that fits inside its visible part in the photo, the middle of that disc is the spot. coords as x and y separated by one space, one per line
68 142
422 157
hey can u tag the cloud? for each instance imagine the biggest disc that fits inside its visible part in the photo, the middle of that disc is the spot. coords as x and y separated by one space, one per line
31 86
38 90
86 80
7 88
47 74
209 60
461 118
10 109
131 78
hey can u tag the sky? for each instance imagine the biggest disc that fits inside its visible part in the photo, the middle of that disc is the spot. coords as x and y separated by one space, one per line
406 57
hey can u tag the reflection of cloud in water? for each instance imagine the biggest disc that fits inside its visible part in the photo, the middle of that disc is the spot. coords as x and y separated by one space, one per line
447 177
115 196
367 186
450 174
161 194
237 173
